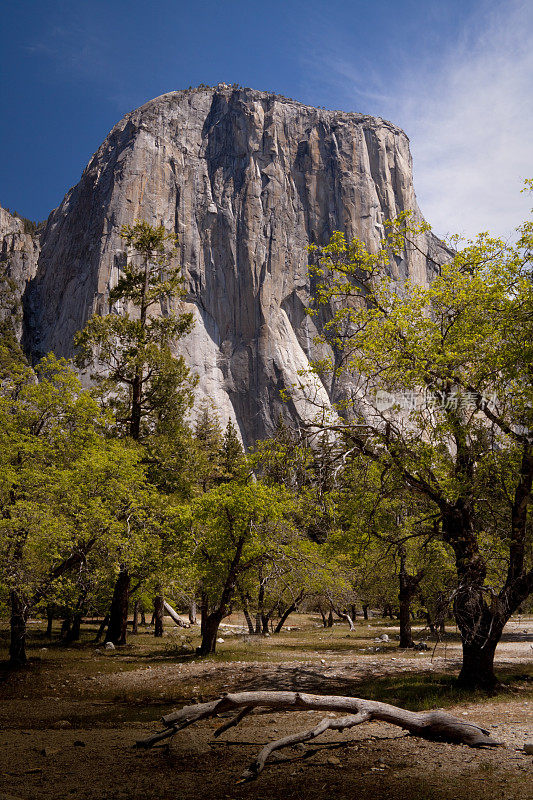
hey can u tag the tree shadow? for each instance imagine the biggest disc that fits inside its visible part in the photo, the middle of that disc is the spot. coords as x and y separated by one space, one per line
412 690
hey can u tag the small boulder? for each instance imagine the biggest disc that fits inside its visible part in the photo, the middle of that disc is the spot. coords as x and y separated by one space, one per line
109 646
50 751
220 639
528 748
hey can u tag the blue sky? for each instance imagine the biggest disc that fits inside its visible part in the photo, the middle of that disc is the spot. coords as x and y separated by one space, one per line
457 76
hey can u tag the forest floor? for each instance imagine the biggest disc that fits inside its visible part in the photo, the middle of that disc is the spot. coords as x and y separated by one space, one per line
71 717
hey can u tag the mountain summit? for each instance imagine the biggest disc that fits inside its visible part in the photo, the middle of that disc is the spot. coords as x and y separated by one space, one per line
247 180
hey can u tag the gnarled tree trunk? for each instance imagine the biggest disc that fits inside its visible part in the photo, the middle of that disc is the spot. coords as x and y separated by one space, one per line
210 626
118 614
480 625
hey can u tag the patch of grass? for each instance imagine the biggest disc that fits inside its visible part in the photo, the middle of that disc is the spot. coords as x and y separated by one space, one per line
419 692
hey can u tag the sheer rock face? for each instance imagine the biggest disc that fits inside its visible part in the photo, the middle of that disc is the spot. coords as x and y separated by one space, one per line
247 180
19 252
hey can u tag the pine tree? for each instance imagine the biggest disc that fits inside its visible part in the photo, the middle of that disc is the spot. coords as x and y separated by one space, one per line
131 348
208 439
232 454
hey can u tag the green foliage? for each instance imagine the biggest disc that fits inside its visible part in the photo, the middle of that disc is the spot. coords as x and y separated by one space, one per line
231 528
67 492
440 403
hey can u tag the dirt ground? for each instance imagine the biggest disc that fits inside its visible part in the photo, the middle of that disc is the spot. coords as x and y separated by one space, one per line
70 719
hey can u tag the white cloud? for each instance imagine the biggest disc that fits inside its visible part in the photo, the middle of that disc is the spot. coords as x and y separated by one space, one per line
468 111
471 128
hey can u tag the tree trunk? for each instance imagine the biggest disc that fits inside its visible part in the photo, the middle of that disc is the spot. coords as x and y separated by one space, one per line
19 617
481 628
118 615
429 623
66 627
137 385
159 609
344 615
289 610
246 612
75 631
101 629
406 635
135 626
441 613
49 621
143 617
249 621
408 586
259 617
136 405
477 670
175 617
204 611
330 619
480 625
209 634
211 622
192 612
324 619
365 612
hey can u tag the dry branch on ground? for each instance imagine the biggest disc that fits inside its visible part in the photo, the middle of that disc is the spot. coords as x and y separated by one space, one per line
435 725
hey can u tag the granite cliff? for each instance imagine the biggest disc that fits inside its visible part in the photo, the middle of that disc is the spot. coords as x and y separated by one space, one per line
247 180
19 251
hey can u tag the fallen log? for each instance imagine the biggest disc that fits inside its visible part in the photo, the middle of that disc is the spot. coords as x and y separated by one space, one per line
435 725
174 616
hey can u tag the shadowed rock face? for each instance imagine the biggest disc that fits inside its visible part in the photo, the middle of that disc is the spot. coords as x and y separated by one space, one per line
247 180
19 252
